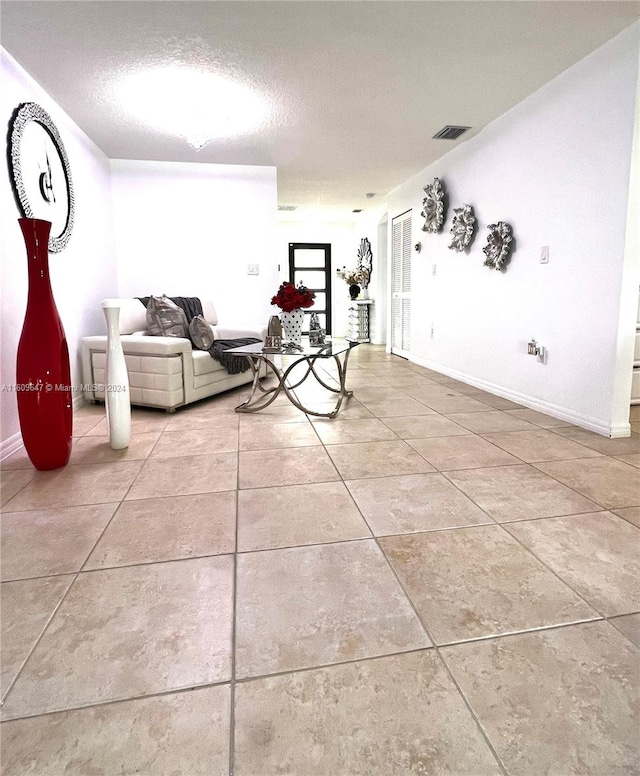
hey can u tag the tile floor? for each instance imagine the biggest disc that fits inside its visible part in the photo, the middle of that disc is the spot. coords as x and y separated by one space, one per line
437 582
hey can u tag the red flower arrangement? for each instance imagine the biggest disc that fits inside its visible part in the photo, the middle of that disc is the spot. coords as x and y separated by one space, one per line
290 297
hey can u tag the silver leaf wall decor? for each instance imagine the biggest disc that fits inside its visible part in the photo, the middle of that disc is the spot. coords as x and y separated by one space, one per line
365 261
498 245
433 206
462 227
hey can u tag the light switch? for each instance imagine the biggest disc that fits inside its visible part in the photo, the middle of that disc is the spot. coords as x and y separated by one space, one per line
544 254
253 269
434 268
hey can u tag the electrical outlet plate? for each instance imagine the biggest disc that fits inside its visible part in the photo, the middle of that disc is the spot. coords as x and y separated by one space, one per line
253 269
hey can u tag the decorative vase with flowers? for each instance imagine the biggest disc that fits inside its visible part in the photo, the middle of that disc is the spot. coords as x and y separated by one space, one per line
292 299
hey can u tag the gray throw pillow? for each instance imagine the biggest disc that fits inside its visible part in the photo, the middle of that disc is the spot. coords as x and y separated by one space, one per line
200 333
165 318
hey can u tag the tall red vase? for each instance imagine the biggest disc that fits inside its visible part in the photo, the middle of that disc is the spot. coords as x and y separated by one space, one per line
42 368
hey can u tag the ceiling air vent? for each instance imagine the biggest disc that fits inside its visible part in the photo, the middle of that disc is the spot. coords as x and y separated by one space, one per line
357 210
450 133
287 207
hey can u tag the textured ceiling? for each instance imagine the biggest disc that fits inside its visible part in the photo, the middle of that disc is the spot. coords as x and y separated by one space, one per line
356 89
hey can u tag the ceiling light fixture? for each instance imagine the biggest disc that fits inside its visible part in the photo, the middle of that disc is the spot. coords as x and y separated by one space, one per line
194 104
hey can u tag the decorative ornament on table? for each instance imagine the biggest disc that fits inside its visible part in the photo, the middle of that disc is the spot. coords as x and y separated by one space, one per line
291 300
433 206
43 373
273 340
462 228
316 333
498 245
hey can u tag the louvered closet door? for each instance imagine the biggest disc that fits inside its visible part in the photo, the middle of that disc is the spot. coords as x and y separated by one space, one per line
401 284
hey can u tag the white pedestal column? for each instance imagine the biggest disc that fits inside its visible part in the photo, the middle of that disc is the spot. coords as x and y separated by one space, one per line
117 399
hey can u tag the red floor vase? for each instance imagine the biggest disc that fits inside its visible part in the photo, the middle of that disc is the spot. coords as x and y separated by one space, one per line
42 369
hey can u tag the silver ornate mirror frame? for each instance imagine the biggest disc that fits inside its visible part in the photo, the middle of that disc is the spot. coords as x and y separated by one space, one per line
462 228
433 206
498 245
365 261
24 114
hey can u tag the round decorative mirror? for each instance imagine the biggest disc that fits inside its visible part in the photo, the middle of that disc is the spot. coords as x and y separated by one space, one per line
40 172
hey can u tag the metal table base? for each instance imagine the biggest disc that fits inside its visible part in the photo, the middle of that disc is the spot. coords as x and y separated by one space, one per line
262 397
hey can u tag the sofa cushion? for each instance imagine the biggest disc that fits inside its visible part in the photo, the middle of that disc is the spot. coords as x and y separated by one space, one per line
165 318
200 333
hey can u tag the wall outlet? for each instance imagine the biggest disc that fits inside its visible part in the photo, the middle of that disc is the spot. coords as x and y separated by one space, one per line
434 268
544 254
253 269
431 331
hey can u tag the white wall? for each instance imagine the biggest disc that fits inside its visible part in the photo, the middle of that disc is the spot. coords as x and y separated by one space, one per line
191 230
556 167
82 274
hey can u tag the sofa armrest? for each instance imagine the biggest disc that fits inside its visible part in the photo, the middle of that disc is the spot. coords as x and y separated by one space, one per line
140 344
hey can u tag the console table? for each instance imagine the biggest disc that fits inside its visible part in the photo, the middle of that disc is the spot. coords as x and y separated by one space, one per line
358 330
261 397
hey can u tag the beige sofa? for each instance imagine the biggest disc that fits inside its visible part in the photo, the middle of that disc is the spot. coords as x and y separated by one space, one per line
163 371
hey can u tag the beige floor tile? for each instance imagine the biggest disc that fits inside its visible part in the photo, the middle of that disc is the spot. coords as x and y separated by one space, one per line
633 459
350 410
559 701
392 715
486 422
149 423
96 449
457 404
181 733
97 483
519 493
309 606
160 529
430 392
629 624
19 460
634 412
27 606
83 425
298 466
461 452
268 436
132 631
50 541
393 408
538 418
377 394
604 445
345 431
273 414
175 444
635 427
377 459
415 502
498 402
597 554
472 582
531 446
424 426
88 410
185 476
296 515
185 420
608 482
12 482
632 514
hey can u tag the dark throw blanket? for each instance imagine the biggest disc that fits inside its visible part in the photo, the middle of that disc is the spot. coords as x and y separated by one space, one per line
234 363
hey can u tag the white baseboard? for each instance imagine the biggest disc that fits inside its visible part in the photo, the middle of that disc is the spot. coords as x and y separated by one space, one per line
555 410
10 446
14 443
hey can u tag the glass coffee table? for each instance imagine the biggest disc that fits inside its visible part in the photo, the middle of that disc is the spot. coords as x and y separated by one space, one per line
261 397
